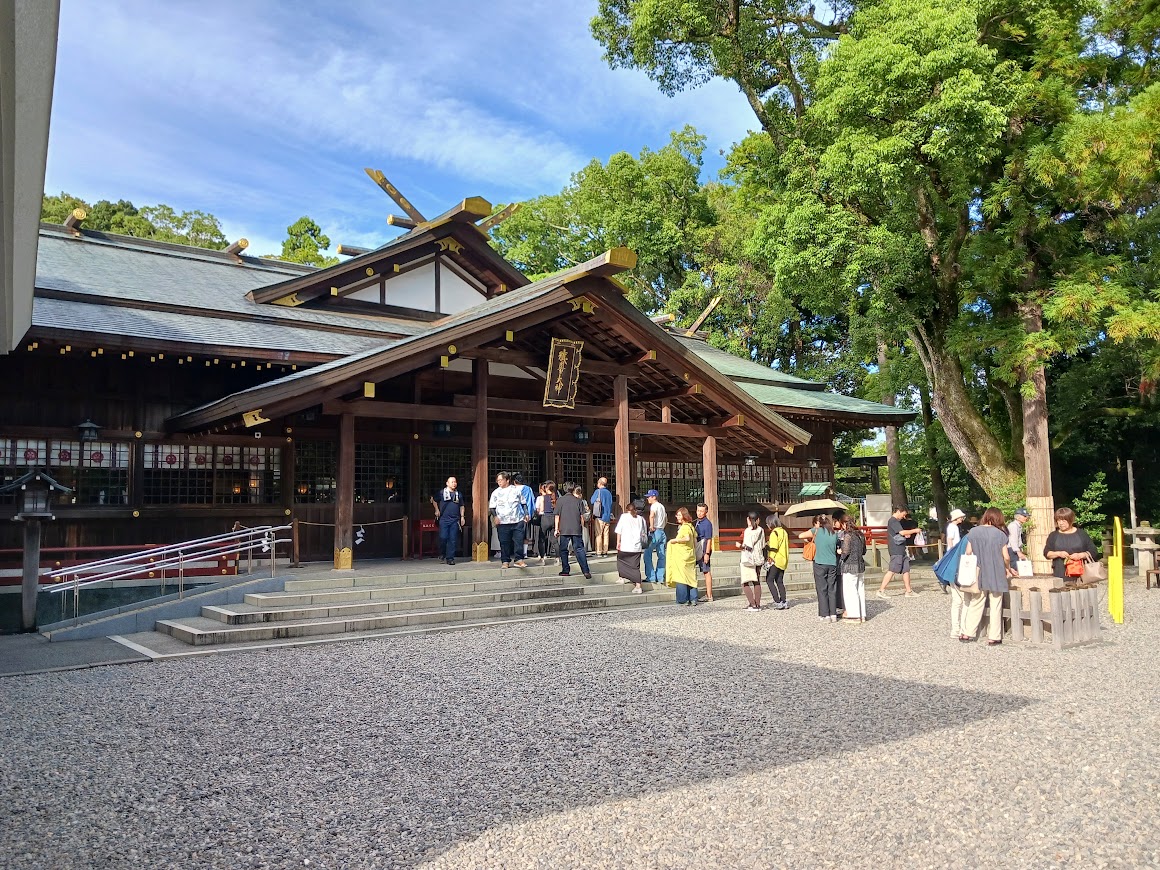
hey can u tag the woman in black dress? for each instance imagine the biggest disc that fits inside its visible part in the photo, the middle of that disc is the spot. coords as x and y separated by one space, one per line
1069 544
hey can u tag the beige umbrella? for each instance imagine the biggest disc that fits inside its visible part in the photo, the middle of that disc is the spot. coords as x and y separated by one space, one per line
814 508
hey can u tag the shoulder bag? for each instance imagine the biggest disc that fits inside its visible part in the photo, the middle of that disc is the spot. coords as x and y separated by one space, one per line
809 551
1093 571
968 577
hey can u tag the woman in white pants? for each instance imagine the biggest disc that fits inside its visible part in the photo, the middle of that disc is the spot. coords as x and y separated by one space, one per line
852 563
988 543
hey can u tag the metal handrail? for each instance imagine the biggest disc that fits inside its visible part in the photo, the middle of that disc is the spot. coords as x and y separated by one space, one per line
246 540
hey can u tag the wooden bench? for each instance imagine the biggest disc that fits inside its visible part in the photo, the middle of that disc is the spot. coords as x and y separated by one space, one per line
1148 575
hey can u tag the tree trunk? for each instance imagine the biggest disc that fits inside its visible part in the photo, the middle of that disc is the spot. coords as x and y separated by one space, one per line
893 458
1037 449
938 489
974 442
1014 406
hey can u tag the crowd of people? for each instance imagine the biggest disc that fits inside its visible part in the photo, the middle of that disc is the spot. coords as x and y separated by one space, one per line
565 523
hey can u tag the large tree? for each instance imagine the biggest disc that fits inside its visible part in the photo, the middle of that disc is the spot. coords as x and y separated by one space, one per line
903 156
159 222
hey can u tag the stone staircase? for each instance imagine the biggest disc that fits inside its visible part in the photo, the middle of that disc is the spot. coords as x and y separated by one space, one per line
404 598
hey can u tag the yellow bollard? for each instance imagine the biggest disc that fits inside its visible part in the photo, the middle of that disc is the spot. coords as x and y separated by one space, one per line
1116 574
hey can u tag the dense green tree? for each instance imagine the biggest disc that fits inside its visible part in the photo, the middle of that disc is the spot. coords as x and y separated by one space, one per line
905 158
305 243
653 204
159 222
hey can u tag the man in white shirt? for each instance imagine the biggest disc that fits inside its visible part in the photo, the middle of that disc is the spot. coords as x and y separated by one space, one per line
506 509
1015 536
654 572
954 533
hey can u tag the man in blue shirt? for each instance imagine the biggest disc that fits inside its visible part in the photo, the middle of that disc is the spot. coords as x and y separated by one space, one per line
527 510
601 502
704 547
449 512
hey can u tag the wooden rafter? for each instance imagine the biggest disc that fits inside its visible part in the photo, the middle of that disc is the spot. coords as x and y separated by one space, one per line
393 192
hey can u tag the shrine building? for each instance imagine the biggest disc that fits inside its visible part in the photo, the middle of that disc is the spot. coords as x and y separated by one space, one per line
178 390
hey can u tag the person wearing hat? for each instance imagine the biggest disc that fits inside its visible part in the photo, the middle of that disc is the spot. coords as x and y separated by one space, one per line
654 554
954 533
1015 535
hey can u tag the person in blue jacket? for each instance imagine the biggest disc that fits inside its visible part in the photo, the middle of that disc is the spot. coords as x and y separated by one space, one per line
601 502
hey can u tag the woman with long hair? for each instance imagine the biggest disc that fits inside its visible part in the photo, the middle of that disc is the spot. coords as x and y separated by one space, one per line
825 567
681 559
777 560
852 562
546 510
987 542
752 546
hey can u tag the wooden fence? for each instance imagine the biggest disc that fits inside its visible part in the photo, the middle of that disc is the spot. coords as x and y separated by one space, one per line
1073 616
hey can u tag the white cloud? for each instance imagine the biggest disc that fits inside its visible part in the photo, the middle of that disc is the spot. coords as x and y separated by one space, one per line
266 110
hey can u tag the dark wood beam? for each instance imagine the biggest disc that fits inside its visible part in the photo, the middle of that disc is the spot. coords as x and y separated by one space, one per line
480 528
674 430
530 406
691 390
523 358
621 449
344 495
399 411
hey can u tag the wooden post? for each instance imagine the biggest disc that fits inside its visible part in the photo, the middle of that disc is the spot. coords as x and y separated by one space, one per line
1094 604
30 579
480 532
1016 603
406 537
1065 617
294 548
709 474
344 498
1036 614
1056 618
666 411
620 442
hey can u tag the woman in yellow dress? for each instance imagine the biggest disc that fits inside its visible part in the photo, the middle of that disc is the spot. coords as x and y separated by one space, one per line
681 560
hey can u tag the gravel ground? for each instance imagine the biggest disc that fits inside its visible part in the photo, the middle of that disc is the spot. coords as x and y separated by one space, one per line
657 738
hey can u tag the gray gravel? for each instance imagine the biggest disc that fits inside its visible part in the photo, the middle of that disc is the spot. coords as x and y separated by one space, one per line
657 738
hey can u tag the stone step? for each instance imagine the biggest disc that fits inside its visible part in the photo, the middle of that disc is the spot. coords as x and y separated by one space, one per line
273 611
602 570
202 631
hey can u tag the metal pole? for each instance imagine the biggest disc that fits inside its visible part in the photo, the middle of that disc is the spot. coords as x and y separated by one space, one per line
180 575
272 537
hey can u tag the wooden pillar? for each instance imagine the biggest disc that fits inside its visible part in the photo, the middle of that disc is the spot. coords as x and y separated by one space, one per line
344 497
480 532
620 442
30 578
709 473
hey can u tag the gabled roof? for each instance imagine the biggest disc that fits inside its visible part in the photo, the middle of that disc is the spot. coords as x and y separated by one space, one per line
468 244
540 299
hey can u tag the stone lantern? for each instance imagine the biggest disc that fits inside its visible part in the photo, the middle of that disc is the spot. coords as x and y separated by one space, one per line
35 491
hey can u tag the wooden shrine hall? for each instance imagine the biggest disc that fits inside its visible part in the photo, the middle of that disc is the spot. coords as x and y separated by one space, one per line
179 390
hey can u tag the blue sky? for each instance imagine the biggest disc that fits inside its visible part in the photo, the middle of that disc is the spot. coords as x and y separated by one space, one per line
261 111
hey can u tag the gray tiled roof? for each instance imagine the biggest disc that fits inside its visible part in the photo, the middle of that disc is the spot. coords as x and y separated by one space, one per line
79 316
128 269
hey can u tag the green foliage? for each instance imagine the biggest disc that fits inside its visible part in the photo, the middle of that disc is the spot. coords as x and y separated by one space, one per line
305 243
1088 506
653 204
159 222
976 180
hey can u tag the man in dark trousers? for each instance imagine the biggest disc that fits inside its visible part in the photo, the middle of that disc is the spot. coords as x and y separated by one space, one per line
449 512
570 513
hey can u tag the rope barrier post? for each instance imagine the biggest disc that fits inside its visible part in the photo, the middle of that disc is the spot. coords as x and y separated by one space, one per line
406 538
294 563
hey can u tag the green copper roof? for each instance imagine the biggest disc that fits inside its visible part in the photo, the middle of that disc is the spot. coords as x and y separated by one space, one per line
738 369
